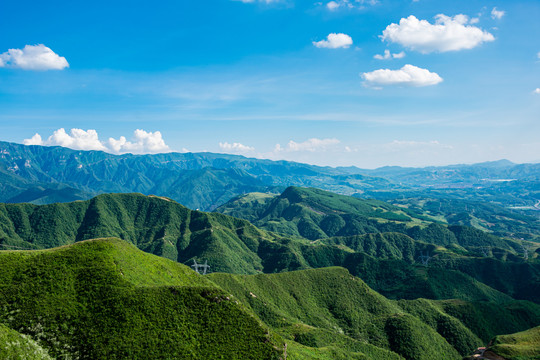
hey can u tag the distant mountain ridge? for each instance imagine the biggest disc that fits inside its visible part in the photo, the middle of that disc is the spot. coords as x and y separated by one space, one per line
198 180
42 175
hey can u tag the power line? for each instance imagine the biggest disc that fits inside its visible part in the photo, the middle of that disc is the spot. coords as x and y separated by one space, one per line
201 267
424 258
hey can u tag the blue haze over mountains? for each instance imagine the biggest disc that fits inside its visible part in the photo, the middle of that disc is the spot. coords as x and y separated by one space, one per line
42 175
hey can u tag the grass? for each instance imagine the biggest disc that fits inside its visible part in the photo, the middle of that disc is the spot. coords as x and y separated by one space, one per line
16 346
523 345
104 299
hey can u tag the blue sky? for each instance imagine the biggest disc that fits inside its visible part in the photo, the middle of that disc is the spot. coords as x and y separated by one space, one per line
280 79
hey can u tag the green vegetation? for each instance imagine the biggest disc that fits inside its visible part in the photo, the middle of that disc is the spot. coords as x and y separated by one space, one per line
43 175
315 214
485 216
14 346
330 309
387 261
523 345
103 299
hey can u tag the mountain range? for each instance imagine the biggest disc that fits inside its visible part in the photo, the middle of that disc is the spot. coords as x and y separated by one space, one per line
42 175
416 264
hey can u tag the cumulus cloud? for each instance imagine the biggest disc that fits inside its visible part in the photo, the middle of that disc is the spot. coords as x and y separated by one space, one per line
310 145
388 55
34 140
142 143
538 55
536 91
446 34
335 41
408 75
235 148
349 4
33 57
497 14
332 5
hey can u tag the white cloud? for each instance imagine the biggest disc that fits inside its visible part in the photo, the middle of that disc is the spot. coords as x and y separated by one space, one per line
497 14
349 4
332 5
33 57
388 55
34 140
335 41
310 145
78 139
447 34
408 75
143 143
536 91
235 148
538 55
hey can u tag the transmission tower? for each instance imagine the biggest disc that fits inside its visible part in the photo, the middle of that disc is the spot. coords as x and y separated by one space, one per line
485 250
525 247
201 267
424 258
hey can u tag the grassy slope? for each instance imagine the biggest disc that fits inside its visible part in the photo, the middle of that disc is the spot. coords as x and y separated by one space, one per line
316 214
330 308
524 345
14 346
166 228
154 224
104 299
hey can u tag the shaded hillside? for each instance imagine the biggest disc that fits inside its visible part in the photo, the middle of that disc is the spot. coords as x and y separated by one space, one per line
199 180
317 214
518 346
388 262
154 224
104 299
485 216
330 308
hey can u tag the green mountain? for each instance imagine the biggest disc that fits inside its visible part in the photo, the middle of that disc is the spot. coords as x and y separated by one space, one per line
388 262
485 216
317 214
42 174
329 308
519 346
104 299
156 225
